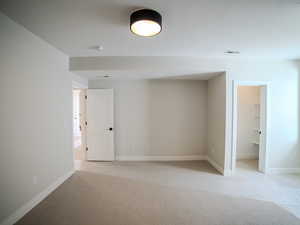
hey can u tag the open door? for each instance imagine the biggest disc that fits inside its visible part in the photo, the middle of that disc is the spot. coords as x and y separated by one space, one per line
260 128
100 138
263 128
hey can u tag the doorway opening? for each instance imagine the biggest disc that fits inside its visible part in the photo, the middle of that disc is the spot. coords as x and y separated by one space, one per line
79 131
249 147
248 127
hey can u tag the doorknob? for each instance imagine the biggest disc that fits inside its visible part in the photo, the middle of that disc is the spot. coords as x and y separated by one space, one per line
110 129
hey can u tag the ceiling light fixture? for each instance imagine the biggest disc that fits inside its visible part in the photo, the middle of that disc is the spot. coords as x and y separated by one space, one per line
145 22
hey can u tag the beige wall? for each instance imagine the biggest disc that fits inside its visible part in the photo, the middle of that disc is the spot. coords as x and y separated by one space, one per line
217 119
35 116
159 117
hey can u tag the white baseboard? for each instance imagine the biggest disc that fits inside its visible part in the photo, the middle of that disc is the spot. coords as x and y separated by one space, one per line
19 213
282 170
162 158
216 165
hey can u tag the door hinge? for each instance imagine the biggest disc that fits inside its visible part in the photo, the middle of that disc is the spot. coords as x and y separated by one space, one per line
85 96
86 123
86 148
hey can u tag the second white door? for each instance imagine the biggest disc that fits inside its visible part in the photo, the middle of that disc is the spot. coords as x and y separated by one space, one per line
100 138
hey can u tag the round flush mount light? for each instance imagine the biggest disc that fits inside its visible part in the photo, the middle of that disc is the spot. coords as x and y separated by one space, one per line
145 22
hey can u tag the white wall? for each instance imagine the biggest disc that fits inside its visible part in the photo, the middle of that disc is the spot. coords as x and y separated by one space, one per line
79 81
159 117
35 116
216 119
247 122
283 135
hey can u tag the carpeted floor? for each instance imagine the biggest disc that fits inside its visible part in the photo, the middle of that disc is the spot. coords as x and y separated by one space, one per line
89 198
247 182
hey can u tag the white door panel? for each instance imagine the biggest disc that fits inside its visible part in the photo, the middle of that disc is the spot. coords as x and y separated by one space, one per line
99 121
262 125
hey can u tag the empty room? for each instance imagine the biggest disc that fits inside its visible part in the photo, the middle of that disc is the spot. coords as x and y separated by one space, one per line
149 112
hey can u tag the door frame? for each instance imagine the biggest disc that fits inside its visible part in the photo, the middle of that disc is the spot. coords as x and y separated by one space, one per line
264 122
83 119
82 109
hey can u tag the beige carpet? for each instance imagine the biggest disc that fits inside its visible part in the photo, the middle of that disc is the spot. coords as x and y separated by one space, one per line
95 199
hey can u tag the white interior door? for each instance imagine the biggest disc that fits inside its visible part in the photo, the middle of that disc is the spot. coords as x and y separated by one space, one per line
262 137
100 138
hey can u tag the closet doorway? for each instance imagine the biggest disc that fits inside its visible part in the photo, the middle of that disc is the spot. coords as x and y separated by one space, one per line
249 151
